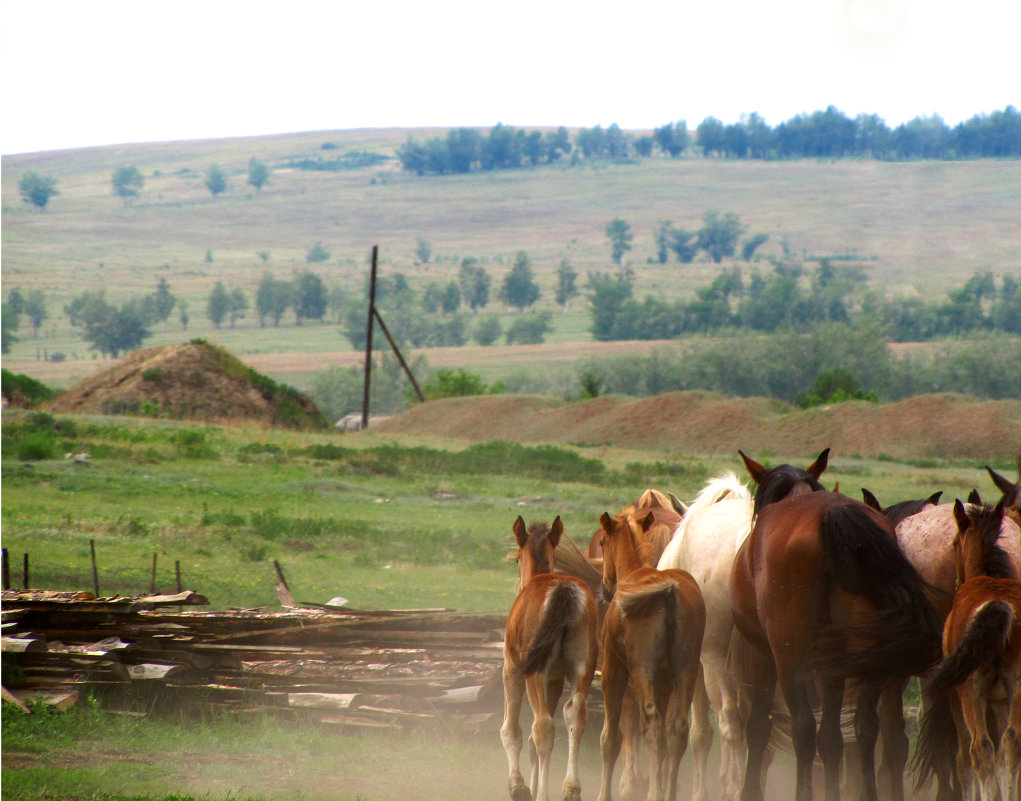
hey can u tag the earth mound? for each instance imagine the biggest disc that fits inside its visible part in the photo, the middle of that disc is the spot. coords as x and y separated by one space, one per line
926 426
196 381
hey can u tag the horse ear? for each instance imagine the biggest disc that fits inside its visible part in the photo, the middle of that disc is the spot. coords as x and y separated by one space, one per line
555 531
974 497
520 533
870 500
679 506
934 498
1003 484
818 467
961 515
755 470
647 521
606 522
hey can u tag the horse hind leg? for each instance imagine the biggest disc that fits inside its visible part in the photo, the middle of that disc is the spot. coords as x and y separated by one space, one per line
1010 748
615 679
632 783
510 732
701 739
575 716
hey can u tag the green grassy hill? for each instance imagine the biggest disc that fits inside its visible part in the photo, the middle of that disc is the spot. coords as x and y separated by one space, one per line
917 227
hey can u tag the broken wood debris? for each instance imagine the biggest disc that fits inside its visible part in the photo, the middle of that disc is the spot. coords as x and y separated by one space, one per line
394 668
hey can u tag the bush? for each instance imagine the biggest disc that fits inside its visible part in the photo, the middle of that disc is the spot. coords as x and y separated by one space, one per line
487 331
453 384
36 446
21 390
530 330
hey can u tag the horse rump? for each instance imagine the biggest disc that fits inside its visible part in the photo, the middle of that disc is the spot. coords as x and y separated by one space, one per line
562 610
985 637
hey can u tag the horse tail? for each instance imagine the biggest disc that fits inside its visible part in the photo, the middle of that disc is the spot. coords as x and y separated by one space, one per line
985 636
865 560
563 609
662 595
570 561
936 746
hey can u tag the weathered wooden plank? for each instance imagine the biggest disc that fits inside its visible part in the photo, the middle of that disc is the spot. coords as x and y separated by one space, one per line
22 644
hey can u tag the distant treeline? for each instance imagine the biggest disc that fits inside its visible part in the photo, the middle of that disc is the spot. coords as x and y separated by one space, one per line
793 298
822 134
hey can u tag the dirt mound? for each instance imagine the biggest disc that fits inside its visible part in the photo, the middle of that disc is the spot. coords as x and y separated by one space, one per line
928 426
197 381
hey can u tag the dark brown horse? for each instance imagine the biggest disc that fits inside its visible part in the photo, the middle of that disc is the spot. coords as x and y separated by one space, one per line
651 640
551 636
823 594
1011 492
974 698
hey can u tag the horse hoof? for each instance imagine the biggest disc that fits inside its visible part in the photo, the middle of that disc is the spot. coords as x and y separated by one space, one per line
520 793
572 794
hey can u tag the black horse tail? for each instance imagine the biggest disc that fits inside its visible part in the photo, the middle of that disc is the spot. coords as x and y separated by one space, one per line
984 638
561 612
865 560
936 746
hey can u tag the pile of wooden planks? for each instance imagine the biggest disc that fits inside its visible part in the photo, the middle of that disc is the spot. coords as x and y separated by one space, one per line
392 668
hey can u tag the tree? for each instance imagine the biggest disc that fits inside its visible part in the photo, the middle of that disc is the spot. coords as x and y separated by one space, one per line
162 301
317 253
218 305
35 309
450 299
9 320
112 330
750 245
258 173
474 282
238 304
126 182
607 295
718 235
620 236
37 189
672 138
272 299
310 297
565 284
422 250
519 288
216 180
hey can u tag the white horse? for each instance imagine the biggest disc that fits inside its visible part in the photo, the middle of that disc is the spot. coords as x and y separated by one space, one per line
705 544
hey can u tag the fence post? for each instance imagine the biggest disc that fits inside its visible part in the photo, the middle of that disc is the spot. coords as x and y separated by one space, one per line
95 570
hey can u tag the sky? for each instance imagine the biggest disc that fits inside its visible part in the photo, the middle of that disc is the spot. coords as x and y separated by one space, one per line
79 74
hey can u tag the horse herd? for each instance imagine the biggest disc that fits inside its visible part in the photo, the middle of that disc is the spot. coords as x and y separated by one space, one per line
781 615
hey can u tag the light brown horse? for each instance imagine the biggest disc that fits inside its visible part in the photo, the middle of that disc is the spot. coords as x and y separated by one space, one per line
652 636
822 594
650 499
976 690
660 519
551 636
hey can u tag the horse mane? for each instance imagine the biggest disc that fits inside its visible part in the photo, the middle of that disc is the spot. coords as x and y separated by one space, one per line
996 562
899 511
778 482
726 486
658 536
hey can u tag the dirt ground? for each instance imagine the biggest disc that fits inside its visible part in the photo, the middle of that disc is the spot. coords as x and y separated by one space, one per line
928 426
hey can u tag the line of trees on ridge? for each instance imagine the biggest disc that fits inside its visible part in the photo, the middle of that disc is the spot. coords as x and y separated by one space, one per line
821 134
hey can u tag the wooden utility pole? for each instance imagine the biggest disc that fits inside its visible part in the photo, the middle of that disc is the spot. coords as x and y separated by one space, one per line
375 315
368 340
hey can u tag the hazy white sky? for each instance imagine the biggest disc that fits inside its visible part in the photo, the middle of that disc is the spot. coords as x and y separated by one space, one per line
107 71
